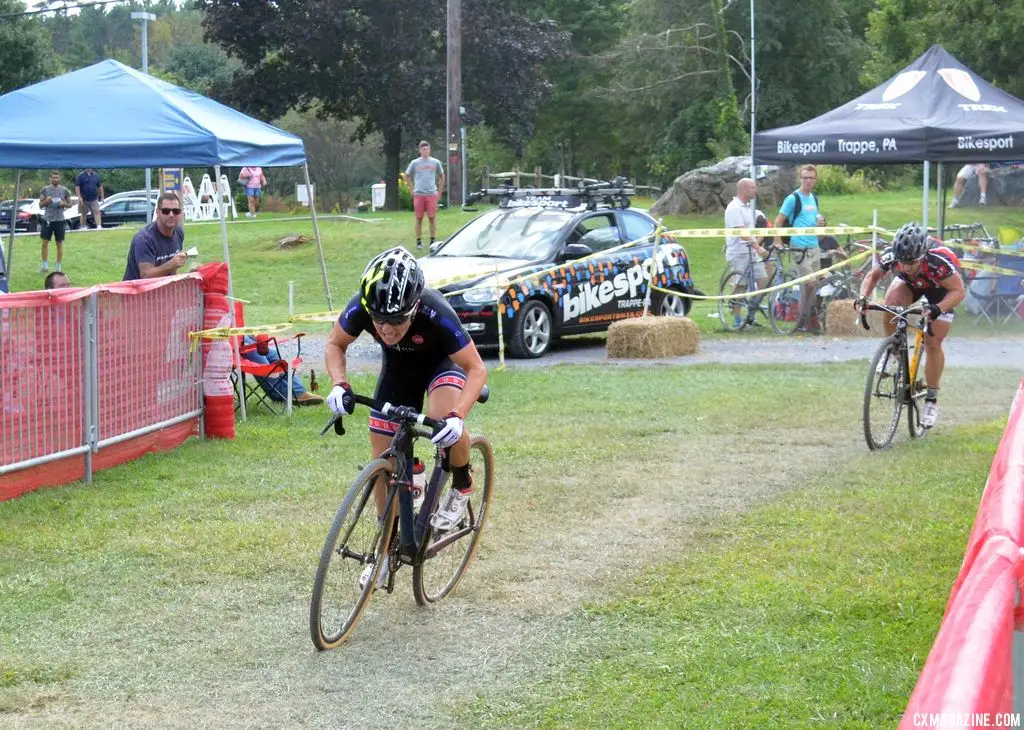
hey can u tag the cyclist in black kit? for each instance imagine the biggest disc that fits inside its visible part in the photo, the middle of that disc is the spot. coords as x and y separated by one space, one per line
426 351
920 272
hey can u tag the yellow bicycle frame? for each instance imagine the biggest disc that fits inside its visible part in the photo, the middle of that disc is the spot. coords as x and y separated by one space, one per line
916 360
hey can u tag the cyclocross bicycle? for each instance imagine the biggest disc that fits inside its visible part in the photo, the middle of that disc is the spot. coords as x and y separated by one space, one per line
892 378
403 536
735 314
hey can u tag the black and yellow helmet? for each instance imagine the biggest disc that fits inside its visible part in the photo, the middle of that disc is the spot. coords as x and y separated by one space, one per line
391 284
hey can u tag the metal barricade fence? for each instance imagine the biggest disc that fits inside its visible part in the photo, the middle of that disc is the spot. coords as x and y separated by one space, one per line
86 369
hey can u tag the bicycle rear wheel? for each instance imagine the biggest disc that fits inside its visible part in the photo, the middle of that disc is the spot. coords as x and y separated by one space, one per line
883 397
356 538
449 553
733 313
784 307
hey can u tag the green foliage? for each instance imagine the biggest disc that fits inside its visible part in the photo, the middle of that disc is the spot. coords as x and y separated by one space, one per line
983 35
838 180
26 53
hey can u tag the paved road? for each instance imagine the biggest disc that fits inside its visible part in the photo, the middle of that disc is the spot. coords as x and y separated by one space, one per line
984 352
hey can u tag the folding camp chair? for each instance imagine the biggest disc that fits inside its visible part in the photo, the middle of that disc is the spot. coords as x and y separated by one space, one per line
1001 296
249 387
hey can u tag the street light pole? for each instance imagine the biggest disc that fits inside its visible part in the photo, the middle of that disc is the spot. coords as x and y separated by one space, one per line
753 94
145 18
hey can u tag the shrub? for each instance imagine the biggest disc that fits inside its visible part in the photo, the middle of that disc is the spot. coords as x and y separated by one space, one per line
836 180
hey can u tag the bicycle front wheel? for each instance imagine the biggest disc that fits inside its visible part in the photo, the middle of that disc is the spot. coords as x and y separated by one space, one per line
883 397
733 312
449 553
357 538
784 307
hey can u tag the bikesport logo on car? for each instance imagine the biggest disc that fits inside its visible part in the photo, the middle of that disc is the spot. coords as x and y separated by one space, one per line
625 285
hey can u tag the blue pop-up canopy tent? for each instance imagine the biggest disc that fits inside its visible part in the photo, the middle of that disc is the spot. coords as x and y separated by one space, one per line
125 118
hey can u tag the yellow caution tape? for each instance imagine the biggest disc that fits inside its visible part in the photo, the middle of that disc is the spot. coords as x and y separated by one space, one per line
223 333
985 249
978 266
817 231
315 317
856 258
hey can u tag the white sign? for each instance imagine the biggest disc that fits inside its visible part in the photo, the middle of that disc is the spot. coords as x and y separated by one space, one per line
302 193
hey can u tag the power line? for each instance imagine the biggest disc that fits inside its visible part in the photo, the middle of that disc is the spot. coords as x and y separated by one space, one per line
41 11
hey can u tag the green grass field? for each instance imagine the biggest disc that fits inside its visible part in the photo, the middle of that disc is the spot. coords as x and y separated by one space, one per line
261 271
705 546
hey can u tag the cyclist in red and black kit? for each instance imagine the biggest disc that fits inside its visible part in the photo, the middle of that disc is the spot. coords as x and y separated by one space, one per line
426 351
920 272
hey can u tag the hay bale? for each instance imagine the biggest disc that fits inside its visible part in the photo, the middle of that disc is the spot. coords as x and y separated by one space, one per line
652 337
842 320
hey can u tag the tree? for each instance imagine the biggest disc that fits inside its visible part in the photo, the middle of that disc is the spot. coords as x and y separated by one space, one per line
382 62
26 55
983 35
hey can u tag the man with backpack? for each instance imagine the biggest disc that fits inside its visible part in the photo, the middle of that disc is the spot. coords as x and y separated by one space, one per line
800 210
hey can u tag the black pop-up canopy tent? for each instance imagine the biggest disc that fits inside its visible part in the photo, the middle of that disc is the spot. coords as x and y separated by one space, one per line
934 110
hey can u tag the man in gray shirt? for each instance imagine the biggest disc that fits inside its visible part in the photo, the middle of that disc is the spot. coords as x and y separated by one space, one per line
425 175
53 199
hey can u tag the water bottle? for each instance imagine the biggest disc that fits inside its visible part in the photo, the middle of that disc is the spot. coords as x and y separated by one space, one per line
419 482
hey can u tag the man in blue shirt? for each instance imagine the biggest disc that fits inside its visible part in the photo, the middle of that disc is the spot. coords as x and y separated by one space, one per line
156 250
806 254
89 190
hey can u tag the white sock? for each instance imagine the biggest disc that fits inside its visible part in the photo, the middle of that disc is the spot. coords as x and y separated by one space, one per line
982 199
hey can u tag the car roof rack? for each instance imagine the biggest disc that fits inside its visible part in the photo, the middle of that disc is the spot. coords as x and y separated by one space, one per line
613 194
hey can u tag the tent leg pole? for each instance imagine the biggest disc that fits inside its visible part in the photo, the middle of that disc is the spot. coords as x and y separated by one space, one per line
316 234
940 196
924 214
6 265
222 214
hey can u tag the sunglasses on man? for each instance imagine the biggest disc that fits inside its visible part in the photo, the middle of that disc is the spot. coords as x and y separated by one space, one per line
170 211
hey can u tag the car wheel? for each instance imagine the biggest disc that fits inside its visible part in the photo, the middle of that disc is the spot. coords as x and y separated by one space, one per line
532 330
674 306
33 224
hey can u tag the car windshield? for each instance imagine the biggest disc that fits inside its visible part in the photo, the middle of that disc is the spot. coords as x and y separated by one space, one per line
518 233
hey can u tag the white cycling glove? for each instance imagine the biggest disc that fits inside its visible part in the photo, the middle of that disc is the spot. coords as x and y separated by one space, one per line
451 432
340 399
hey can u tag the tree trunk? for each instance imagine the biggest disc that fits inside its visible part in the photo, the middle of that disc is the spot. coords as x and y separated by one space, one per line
392 148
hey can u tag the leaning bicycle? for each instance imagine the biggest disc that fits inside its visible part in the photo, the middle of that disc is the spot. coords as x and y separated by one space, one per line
893 382
403 535
740 312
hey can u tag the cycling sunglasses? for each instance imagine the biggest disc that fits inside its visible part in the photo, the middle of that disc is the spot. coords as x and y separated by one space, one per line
395 320
170 211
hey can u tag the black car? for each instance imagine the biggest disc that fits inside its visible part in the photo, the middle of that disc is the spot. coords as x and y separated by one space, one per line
117 210
556 262
27 218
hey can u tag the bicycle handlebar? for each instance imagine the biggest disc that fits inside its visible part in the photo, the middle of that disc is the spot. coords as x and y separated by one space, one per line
395 413
901 312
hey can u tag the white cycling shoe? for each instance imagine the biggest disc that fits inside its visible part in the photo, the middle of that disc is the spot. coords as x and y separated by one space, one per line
929 414
382 577
451 510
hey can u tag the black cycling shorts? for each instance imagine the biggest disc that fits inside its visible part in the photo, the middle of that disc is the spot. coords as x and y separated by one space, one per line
408 388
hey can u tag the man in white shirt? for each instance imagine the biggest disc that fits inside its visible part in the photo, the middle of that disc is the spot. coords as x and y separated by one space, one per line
740 249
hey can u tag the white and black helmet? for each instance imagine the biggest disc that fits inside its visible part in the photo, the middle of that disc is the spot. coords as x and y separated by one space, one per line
391 284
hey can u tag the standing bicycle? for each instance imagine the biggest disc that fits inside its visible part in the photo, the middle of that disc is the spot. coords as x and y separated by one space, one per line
920 272
364 550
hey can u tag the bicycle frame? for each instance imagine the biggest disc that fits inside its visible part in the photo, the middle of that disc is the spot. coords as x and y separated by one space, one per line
910 365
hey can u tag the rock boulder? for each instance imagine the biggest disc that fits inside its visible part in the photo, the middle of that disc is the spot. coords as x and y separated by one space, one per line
1005 187
709 189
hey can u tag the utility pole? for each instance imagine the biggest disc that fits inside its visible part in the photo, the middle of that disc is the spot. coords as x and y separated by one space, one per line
145 18
453 126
